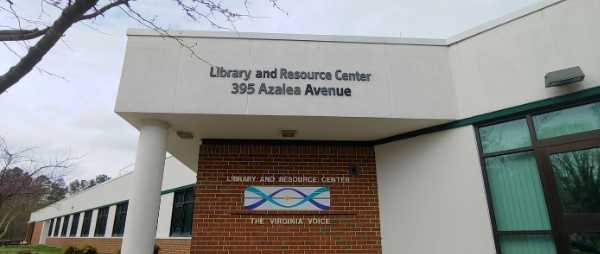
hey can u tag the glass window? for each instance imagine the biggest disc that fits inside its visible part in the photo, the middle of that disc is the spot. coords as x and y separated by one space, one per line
65 225
516 192
57 226
505 136
577 175
87 222
567 121
120 216
183 208
584 243
50 227
101 222
527 244
74 225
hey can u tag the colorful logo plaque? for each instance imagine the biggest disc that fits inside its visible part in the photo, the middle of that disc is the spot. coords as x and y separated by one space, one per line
286 198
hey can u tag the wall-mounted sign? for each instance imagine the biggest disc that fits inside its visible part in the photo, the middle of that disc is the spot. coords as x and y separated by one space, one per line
256 82
291 221
286 198
287 179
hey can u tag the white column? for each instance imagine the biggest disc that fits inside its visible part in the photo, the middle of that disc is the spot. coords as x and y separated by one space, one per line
44 233
144 202
163 229
80 224
110 221
93 223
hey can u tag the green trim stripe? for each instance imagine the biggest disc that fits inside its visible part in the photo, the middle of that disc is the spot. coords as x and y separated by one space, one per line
126 200
527 107
177 189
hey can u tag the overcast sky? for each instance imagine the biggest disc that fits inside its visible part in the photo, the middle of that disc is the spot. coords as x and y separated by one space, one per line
76 114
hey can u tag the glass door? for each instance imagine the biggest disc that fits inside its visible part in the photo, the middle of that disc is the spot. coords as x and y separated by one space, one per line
571 175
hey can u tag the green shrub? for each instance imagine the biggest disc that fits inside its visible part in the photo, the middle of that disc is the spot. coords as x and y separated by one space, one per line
24 252
70 250
88 250
156 250
85 250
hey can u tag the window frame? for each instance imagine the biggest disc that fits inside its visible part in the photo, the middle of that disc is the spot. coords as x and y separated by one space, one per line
74 224
89 223
64 231
50 228
118 224
104 221
538 147
57 224
191 202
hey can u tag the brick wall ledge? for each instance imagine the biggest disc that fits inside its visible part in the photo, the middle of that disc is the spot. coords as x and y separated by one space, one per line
291 213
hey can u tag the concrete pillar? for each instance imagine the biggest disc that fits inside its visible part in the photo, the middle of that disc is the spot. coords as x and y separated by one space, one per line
144 204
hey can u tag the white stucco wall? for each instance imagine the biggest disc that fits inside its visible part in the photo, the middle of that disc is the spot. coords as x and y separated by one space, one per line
431 195
494 66
505 66
409 80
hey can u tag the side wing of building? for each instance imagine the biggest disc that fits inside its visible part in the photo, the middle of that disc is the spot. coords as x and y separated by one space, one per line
97 216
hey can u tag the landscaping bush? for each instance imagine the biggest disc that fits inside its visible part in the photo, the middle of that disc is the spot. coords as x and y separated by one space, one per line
85 250
88 250
70 250
156 250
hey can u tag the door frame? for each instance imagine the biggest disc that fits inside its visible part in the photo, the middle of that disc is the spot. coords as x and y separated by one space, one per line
564 225
538 146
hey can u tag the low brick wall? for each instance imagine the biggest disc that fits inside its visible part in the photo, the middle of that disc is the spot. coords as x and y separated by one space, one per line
174 246
111 245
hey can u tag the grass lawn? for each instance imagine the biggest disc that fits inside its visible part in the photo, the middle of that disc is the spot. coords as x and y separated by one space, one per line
35 249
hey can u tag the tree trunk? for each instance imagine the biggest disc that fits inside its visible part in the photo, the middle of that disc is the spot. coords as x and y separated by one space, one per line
68 17
5 223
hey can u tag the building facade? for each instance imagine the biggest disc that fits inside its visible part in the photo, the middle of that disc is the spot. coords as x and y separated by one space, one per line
486 142
96 216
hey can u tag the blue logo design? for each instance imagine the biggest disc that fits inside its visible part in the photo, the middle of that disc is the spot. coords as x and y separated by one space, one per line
286 198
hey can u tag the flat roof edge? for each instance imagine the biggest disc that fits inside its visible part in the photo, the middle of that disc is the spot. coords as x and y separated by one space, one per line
291 37
495 23
498 22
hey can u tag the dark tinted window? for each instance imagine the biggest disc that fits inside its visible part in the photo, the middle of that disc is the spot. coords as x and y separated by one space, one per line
120 216
50 227
87 222
183 207
101 222
57 226
74 225
65 225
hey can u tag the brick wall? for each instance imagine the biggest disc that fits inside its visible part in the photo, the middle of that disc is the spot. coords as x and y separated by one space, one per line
103 245
173 246
111 245
36 232
221 225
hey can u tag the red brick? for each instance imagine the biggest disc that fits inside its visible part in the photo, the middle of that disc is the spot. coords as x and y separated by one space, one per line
222 226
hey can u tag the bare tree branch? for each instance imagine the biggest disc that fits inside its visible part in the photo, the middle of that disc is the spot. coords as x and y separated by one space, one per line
52 35
21 35
163 32
103 9
74 11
